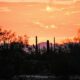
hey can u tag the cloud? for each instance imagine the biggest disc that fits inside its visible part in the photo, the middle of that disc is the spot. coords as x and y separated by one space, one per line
50 27
72 12
4 9
24 0
46 26
64 1
55 1
52 9
38 23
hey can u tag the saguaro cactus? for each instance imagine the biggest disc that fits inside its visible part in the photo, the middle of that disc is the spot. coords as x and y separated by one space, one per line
36 41
48 47
54 44
51 47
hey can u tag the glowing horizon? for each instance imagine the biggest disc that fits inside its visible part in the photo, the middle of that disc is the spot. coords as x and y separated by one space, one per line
44 20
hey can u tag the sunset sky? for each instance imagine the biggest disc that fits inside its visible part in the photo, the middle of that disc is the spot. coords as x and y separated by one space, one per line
44 18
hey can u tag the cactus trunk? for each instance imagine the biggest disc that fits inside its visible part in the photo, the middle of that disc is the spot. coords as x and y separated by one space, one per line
36 44
48 47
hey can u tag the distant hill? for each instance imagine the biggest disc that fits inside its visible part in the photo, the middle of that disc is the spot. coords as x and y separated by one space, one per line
44 44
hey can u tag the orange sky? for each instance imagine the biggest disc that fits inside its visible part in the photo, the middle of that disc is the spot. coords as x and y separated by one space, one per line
41 19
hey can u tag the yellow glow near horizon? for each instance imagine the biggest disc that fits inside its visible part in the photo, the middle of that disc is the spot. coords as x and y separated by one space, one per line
41 19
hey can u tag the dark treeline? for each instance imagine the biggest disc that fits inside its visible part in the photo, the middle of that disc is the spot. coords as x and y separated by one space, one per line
56 60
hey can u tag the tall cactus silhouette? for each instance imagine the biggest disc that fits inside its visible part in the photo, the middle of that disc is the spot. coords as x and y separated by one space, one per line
54 44
51 47
36 41
48 47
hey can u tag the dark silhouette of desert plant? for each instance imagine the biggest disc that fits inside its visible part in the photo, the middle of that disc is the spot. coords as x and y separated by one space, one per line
77 37
48 46
25 40
36 42
54 44
6 36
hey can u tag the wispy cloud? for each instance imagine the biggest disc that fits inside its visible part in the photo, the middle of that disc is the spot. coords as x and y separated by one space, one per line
52 9
46 26
55 1
38 23
71 12
4 9
65 1
50 26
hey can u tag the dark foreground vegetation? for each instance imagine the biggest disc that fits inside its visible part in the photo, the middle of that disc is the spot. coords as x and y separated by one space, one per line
57 60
